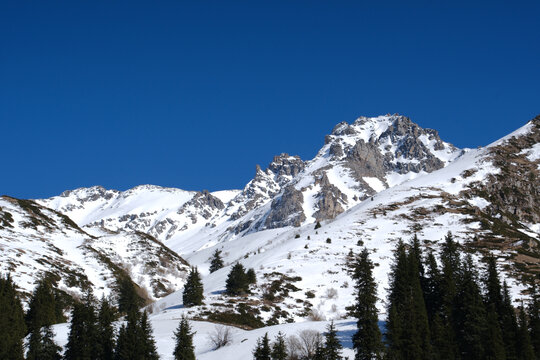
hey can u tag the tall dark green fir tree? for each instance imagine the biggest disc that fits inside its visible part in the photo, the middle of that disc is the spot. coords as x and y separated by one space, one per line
533 311
333 347
128 298
41 307
12 326
279 348
237 283
367 341
193 290
471 315
183 336
262 351
41 345
216 262
83 335
146 339
525 350
105 341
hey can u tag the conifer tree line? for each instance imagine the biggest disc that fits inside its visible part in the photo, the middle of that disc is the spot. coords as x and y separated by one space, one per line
446 309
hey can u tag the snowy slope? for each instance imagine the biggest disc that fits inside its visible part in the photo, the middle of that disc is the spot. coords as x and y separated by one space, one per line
36 240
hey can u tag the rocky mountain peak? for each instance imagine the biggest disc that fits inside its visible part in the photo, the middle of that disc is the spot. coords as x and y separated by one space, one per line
285 167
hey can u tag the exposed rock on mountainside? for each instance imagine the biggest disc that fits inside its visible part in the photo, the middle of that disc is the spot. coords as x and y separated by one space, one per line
36 240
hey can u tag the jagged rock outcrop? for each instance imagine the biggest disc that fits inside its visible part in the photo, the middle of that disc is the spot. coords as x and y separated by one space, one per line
514 192
286 167
286 210
330 200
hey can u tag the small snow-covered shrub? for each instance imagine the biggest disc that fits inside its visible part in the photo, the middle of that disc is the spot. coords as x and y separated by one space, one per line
220 337
316 315
331 293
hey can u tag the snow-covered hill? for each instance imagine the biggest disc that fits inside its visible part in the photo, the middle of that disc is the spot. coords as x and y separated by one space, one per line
36 240
374 181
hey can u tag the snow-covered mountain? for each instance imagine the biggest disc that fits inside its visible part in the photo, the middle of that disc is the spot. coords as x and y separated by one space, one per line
357 161
36 240
374 181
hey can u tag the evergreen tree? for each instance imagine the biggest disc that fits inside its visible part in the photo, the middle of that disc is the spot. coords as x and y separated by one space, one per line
237 283
320 351
396 295
184 349
534 319
499 297
216 262
494 344
471 315
12 326
128 344
407 326
83 335
193 290
443 347
251 277
367 340
41 345
524 348
122 349
262 350
332 345
451 268
432 288
128 299
146 339
279 348
41 307
509 325
105 330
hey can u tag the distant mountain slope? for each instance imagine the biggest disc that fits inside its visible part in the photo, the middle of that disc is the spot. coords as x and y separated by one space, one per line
36 240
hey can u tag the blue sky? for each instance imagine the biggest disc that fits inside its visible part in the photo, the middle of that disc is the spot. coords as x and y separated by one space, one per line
194 94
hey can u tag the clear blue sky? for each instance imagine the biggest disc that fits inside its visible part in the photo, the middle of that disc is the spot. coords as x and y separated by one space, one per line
193 94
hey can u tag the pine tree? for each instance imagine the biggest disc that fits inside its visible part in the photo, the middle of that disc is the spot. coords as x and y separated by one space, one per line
279 348
122 350
494 344
251 277
262 350
41 307
237 283
41 345
367 340
184 349
432 288
83 335
128 343
332 345
407 327
105 330
451 269
524 348
509 325
193 290
148 344
128 299
471 315
534 318
12 326
216 262
499 297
